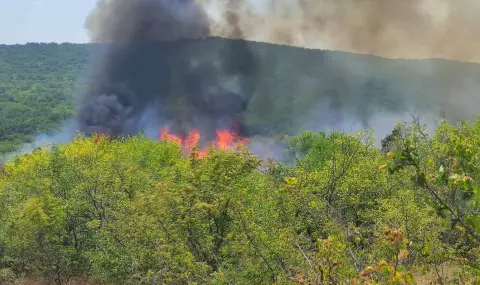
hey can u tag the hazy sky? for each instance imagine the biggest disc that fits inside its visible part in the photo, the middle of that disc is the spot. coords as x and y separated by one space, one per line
24 21
392 28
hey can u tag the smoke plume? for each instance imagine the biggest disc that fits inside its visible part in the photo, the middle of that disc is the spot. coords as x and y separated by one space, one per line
146 59
390 28
154 62
140 63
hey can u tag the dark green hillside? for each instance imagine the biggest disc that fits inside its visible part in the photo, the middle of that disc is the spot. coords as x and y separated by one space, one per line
37 82
336 210
293 88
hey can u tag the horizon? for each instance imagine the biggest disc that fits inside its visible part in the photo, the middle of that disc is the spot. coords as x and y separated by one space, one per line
59 21
271 43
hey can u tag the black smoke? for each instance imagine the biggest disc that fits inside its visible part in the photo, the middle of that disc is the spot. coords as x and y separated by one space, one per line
152 55
143 60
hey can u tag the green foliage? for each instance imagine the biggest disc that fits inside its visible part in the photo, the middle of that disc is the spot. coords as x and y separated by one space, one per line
136 211
445 166
288 84
310 150
37 84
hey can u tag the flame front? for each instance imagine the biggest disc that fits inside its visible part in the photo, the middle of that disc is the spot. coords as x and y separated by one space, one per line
226 139
166 136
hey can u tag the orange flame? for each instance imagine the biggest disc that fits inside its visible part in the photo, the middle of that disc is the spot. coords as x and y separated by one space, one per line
166 136
226 139
192 139
98 137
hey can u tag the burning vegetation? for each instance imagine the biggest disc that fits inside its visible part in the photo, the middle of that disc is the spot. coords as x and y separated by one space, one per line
141 68
226 139
340 211
134 211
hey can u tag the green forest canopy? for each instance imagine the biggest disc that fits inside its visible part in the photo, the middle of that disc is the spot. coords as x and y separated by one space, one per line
136 211
38 83
339 211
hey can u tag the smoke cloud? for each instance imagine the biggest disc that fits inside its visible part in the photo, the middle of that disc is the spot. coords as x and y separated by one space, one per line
140 63
390 28
155 62
146 59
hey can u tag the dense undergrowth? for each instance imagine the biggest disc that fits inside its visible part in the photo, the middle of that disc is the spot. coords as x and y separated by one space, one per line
337 211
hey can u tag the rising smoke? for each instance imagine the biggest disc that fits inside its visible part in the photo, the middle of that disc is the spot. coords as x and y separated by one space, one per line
153 66
391 28
141 64
146 62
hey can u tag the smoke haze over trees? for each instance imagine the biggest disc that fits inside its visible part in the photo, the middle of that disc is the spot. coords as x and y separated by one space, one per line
391 28
143 71
293 89
140 68
122 208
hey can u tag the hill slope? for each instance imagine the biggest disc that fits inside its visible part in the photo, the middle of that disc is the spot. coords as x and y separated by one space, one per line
293 88
36 86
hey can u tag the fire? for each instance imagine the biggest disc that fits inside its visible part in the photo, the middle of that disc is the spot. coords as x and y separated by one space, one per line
165 135
97 138
226 139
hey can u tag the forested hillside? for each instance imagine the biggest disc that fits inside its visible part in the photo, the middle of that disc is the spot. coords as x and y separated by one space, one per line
334 210
292 89
37 84
337 211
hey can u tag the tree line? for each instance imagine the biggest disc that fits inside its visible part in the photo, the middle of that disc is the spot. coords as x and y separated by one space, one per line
336 210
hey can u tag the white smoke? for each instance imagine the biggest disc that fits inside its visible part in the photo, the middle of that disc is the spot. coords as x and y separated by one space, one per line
391 28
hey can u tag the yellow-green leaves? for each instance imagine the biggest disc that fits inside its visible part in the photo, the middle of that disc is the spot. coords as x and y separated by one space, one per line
136 211
292 181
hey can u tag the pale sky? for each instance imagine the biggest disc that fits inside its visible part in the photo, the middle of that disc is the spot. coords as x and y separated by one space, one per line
24 21
399 29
